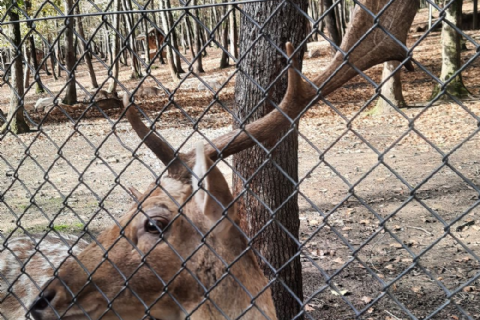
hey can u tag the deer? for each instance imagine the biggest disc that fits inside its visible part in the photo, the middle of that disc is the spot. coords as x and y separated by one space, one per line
178 252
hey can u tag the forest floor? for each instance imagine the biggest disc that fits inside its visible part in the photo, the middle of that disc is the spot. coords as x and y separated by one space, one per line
74 171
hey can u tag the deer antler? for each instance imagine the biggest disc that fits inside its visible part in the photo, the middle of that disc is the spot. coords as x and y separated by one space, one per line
368 42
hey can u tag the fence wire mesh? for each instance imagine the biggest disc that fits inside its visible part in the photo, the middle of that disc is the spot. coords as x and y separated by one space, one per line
379 219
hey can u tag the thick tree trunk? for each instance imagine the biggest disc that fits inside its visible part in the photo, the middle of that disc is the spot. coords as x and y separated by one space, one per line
86 51
15 111
112 87
391 90
331 23
71 90
451 54
263 63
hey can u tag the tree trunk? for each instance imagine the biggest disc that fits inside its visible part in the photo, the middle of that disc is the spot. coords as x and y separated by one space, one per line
58 54
263 64
178 61
451 51
146 43
86 51
331 23
391 90
136 69
198 42
233 32
168 42
112 87
224 26
71 90
39 85
26 71
475 14
15 111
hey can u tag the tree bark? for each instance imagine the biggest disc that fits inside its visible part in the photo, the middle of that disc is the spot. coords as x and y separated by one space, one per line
112 87
26 71
451 54
224 26
86 51
135 67
198 42
391 90
263 64
331 23
71 90
475 14
168 42
38 81
233 32
178 61
189 35
15 111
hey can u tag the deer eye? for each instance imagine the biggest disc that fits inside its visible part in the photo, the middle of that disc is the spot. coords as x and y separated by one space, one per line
154 225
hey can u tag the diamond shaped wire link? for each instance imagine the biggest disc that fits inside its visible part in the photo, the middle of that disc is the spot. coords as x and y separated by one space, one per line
392 291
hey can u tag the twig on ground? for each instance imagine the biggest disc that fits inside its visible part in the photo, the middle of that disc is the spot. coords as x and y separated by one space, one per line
392 315
421 229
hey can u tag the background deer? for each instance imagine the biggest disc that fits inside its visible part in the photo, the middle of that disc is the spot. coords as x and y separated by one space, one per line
179 252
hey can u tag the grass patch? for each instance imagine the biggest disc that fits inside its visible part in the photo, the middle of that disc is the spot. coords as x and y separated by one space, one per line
70 228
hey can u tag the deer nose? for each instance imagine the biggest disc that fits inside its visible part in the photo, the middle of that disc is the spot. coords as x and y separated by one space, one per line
41 303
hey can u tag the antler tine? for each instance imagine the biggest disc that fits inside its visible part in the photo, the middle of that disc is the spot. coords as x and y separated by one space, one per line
154 142
238 140
377 47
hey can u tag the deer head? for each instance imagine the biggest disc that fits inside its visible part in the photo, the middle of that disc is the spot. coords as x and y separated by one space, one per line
179 252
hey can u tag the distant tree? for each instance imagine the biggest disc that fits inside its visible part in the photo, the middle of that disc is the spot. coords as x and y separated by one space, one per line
475 14
112 87
15 110
391 89
71 91
86 49
451 52
331 24
224 31
198 42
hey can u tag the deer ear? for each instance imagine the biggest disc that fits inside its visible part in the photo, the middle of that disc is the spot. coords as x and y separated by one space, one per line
214 195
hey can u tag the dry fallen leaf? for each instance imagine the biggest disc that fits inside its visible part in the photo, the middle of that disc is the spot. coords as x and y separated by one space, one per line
313 223
338 260
469 289
416 289
366 299
309 308
340 292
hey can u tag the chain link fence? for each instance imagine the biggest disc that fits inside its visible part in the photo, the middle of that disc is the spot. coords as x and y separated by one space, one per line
379 219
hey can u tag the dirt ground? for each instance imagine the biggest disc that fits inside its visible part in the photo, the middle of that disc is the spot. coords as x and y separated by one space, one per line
390 213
